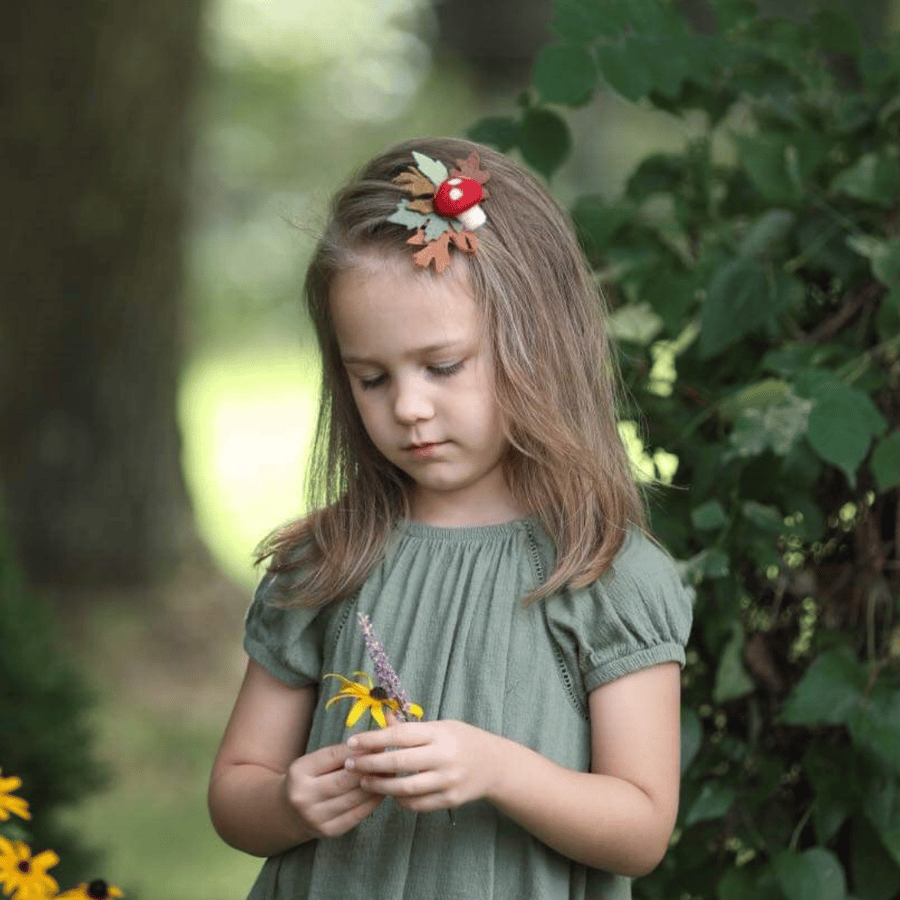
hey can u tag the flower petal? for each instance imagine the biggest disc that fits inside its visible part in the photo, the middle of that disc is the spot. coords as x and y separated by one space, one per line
416 710
358 709
378 714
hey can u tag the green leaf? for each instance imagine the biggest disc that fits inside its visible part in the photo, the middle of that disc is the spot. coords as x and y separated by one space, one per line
596 221
751 882
407 217
875 723
763 159
709 516
886 462
623 69
827 768
829 691
888 319
565 74
776 427
874 178
766 518
834 29
736 304
578 22
544 140
713 801
815 874
767 232
883 256
658 173
712 563
876 875
496 131
842 425
760 395
691 737
434 170
731 677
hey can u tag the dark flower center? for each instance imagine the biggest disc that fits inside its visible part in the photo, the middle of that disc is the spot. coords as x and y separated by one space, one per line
24 867
98 889
379 693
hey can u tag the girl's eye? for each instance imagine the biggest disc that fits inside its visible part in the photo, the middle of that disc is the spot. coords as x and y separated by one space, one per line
445 371
367 384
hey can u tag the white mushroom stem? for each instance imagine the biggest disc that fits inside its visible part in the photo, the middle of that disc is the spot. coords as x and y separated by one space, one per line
473 217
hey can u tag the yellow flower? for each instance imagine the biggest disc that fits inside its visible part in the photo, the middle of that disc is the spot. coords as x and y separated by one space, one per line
368 696
8 804
24 877
96 890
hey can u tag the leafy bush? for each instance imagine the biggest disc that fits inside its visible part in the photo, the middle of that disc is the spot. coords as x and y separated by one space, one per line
44 735
767 276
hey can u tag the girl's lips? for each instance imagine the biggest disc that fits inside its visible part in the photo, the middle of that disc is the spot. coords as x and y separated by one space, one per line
423 451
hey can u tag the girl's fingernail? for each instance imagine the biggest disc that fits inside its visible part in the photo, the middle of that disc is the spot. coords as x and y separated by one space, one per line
353 741
350 763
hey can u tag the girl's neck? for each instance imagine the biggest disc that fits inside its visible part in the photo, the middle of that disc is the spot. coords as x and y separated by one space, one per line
462 515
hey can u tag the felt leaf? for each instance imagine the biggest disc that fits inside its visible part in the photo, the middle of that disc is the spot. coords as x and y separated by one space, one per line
431 168
437 252
407 217
435 226
464 240
471 168
414 182
423 205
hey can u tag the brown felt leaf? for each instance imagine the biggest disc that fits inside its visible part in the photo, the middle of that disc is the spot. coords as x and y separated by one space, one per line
436 251
423 205
414 182
465 241
471 168
418 238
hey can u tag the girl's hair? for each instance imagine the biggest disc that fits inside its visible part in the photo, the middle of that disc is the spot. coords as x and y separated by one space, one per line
556 384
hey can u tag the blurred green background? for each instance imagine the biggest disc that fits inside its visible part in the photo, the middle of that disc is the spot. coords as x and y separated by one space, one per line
288 96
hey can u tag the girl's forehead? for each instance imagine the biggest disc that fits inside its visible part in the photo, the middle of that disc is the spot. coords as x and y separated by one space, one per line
387 306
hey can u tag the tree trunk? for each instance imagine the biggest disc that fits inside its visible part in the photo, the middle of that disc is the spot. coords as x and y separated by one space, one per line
96 131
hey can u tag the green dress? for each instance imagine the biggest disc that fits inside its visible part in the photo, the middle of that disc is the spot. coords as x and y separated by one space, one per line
446 604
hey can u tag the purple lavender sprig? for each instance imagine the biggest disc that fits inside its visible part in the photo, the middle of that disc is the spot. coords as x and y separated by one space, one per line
385 675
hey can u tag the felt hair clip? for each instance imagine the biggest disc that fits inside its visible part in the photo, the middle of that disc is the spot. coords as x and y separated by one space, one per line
444 209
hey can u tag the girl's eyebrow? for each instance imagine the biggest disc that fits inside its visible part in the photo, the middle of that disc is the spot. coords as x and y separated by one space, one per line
417 351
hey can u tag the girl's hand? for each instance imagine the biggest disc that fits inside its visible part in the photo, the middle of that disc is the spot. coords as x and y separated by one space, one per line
427 766
325 795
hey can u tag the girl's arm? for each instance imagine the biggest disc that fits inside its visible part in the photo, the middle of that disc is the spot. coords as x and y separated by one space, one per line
265 795
617 817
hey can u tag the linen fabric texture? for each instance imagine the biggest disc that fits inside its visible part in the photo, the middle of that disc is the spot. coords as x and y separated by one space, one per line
446 604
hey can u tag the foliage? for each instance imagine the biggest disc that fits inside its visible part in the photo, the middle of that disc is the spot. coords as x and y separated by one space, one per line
765 258
44 735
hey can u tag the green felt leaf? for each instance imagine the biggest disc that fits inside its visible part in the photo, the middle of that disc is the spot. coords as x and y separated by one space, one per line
713 801
544 140
435 226
408 217
815 874
566 74
709 516
736 304
842 425
886 462
829 691
432 169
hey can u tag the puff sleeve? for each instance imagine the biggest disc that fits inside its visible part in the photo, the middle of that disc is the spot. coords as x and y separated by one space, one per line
638 614
286 641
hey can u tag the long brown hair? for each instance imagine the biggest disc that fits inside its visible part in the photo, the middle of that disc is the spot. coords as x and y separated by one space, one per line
556 382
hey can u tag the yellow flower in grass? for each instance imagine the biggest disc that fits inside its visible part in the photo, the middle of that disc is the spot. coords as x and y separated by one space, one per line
9 804
23 876
368 695
96 890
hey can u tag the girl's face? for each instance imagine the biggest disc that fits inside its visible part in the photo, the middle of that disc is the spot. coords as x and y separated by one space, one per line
422 378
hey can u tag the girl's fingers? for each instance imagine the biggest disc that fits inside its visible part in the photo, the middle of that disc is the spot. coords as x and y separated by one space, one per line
416 785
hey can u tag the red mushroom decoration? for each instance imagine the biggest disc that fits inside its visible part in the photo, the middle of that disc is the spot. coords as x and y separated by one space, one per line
457 198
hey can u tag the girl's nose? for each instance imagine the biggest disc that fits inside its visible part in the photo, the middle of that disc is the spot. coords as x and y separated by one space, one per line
411 402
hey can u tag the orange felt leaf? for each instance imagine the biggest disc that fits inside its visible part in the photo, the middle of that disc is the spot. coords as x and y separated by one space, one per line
436 251
465 241
424 205
471 168
414 182
418 238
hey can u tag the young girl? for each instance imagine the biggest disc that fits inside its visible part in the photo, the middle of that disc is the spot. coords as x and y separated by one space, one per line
478 507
